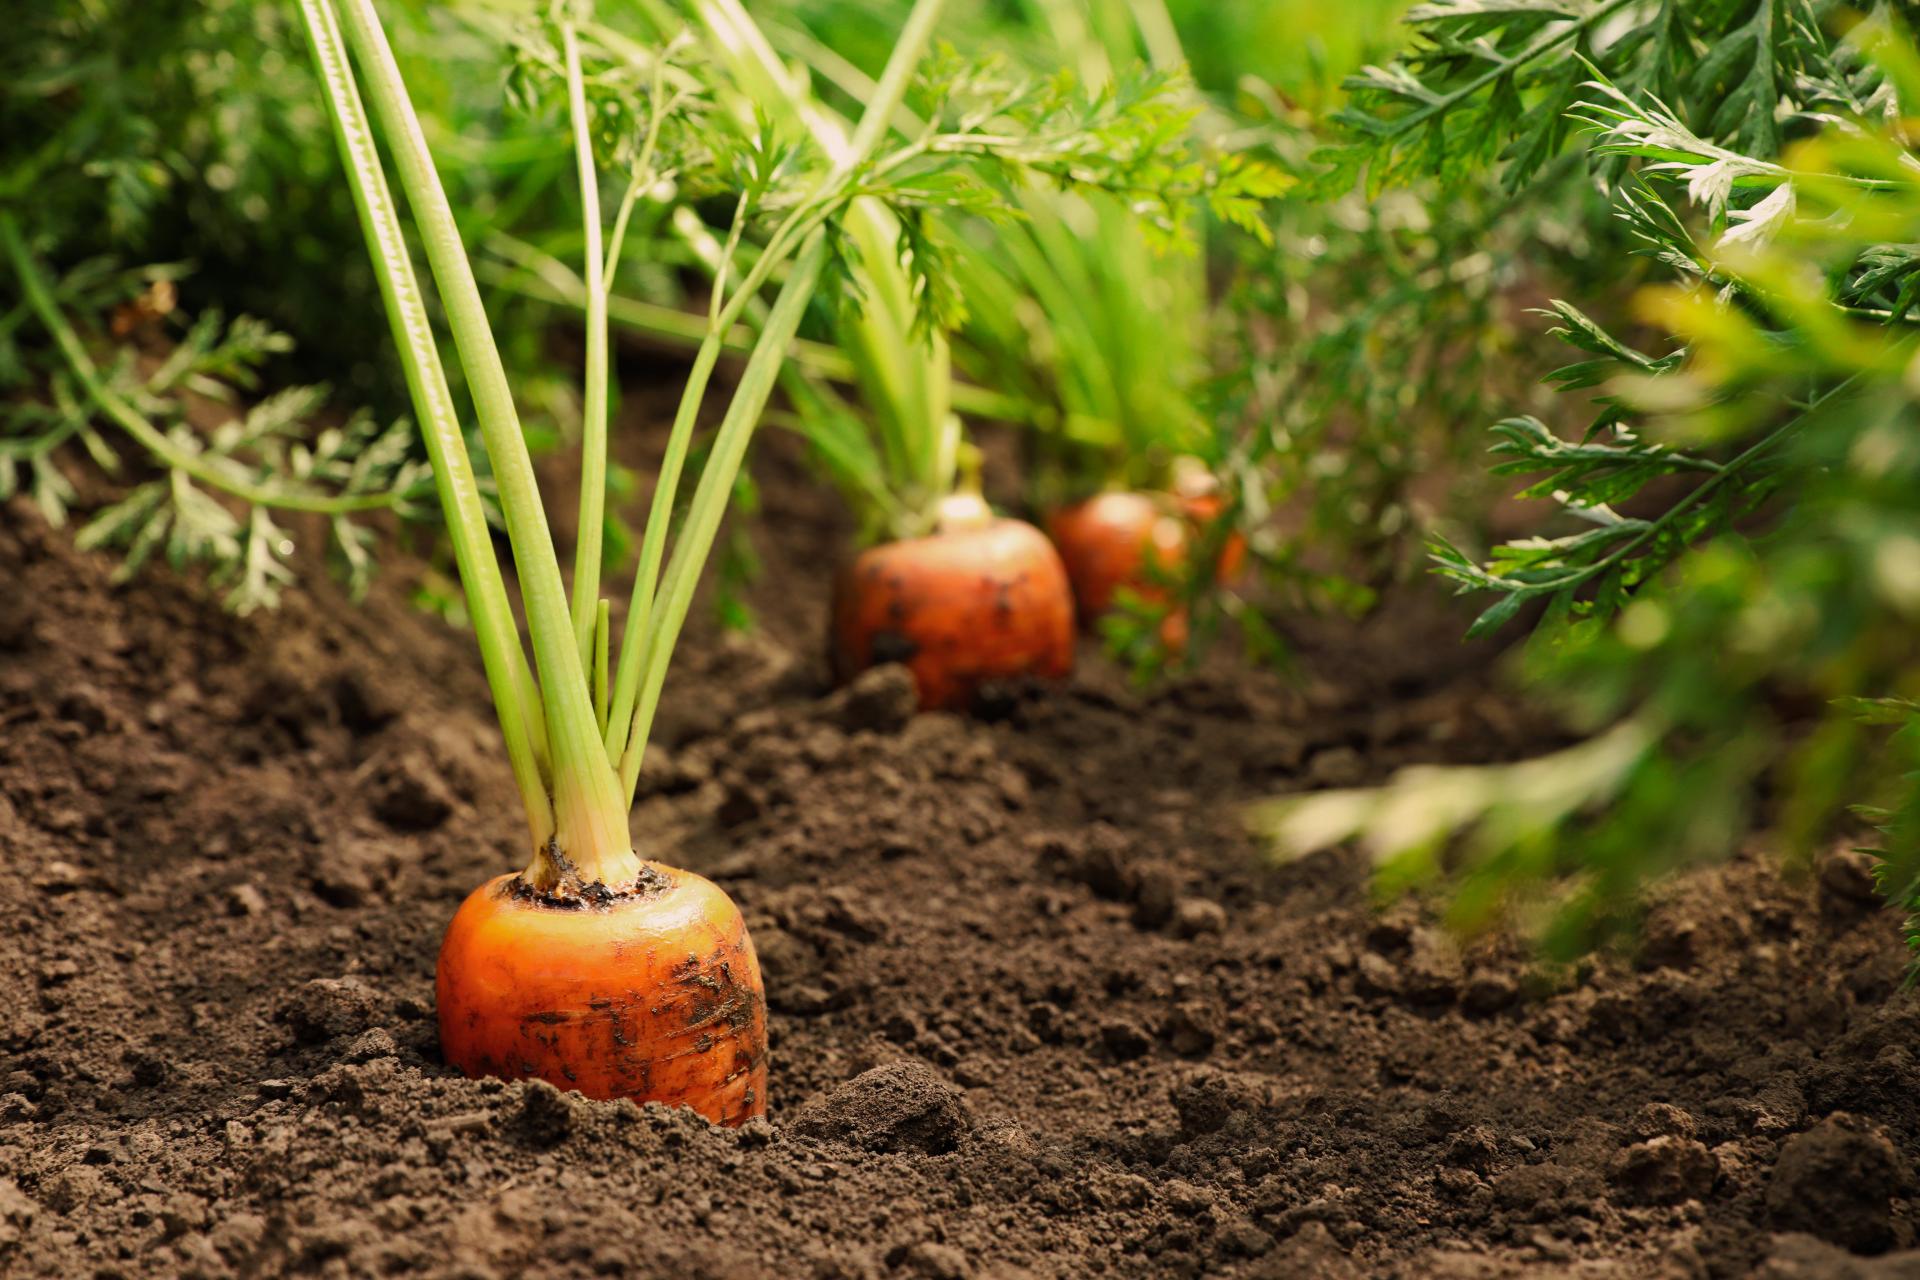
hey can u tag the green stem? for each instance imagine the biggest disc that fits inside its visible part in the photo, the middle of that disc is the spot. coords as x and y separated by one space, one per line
593 423
643 175
907 383
653 542
540 276
877 117
1548 41
602 636
711 495
590 815
501 655
662 629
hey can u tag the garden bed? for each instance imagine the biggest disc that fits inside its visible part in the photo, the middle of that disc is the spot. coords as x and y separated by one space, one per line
1038 1008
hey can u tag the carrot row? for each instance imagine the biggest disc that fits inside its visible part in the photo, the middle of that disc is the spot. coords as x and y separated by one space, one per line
985 598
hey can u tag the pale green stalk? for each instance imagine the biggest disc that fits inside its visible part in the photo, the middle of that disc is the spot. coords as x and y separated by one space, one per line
627 678
515 700
589 810
593 418
907 382
541 276
644 657
602 641
710 497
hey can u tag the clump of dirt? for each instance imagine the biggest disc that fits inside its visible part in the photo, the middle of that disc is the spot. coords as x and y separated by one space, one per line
1038 1007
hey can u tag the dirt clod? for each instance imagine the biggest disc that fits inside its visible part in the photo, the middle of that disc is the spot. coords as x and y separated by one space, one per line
245 900
1661 1119
1794 1256
1125 1039
1207 1100
897 1106
1194 917
1665 1170
1156 888
409 794
1488 993
327 1008
930 1260
1847 879
547 1116
1837 1181
880 699
1192 1029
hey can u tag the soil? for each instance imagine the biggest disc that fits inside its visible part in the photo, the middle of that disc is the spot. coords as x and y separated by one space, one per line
1039 1008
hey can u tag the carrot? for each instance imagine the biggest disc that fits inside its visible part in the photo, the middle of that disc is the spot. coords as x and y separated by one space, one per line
652 995
593 969
1115 540
980 599
1137 541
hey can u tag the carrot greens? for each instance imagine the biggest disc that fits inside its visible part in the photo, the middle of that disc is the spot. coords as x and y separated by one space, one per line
819 205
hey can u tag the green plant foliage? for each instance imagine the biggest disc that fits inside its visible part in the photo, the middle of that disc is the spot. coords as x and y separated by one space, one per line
1740 578
184 131
1493 83
225 466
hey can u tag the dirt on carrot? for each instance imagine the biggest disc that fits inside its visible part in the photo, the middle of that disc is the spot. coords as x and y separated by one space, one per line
1036 1007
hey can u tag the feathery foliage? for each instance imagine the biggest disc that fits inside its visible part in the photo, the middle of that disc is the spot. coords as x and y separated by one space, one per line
219 483
1730 600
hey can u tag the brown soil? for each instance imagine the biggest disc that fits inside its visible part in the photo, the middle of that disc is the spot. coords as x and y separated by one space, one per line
1038 1008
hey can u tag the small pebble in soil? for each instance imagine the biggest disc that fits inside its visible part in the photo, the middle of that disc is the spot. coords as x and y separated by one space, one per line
1195 917
1665 1170
897 1106
1838 1181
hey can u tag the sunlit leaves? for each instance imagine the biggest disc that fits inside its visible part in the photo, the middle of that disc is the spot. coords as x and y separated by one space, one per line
1490 82
1131 138
1733 532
